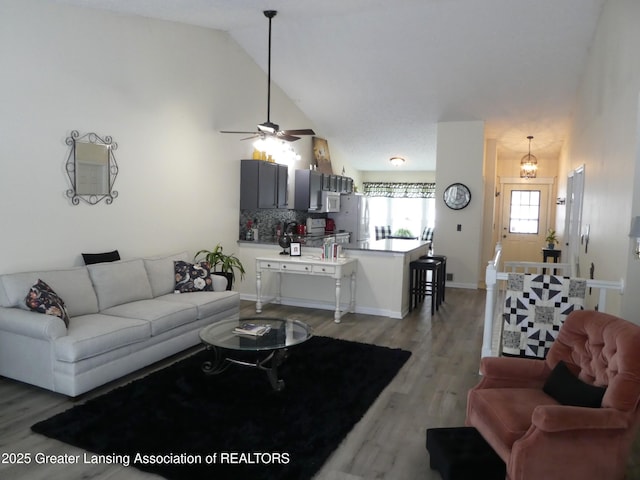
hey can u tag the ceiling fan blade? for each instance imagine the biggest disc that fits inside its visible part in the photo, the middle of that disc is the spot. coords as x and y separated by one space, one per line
305 131
255 135
287 138
236 131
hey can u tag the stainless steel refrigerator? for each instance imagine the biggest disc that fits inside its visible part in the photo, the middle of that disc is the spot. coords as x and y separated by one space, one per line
353 216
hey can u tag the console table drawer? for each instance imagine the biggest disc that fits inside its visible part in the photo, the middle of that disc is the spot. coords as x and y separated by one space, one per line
296 267
269 265
324 269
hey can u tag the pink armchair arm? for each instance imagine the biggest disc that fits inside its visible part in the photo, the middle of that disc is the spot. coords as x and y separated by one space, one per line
557 418
600 435
512 372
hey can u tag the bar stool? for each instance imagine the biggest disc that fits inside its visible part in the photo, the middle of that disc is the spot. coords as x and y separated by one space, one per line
443 272
422 285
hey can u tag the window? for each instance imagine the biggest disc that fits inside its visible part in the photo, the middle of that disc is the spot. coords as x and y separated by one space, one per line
409 214
524 214
408 208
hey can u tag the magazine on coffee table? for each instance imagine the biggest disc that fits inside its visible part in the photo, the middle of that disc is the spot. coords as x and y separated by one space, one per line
252 329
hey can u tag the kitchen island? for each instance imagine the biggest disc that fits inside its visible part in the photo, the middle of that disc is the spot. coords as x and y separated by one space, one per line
382 276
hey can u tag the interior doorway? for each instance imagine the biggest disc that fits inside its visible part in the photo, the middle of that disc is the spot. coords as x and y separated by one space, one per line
525 218
573 219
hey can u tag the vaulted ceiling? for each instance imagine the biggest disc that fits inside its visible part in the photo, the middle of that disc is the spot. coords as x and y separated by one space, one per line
376 76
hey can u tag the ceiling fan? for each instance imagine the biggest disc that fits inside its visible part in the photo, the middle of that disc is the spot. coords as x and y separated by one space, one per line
269 128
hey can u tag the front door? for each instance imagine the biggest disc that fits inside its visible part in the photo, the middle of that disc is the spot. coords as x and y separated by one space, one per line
525 220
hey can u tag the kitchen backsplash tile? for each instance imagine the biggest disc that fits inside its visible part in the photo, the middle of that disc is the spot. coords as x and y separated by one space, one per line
268 219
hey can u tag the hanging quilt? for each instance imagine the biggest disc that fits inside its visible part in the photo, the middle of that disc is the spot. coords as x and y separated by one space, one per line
535 309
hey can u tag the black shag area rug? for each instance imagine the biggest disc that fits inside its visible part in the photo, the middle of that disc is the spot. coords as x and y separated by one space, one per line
180 423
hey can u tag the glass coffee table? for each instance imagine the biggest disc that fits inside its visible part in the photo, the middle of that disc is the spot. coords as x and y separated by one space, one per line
266 351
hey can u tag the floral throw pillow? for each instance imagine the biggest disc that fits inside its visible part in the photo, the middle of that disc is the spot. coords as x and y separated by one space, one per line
41 298
193 277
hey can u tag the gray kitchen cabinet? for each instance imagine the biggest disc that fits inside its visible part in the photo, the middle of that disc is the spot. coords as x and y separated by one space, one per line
347 185
263 185
337 183
308 194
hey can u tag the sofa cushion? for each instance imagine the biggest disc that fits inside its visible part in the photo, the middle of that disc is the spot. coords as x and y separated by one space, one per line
161 272
42 299
91 258
4 300
207 303
162 316
568 389
193 277
95 334
120 282
73 285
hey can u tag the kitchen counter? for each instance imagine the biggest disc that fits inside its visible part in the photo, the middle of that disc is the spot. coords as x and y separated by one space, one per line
382 276
395 245
305 240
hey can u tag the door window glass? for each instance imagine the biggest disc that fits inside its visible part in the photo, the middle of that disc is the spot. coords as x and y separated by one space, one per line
524 214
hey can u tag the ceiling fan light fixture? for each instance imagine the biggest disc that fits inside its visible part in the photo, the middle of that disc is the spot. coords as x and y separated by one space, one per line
529 163
397 161
268 127
279 150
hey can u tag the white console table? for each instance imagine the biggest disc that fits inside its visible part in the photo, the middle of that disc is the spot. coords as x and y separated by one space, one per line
342 267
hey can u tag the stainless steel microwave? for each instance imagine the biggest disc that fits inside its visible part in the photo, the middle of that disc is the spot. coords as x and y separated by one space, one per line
330 202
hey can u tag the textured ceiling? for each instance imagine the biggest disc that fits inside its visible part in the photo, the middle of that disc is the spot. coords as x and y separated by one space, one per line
376 76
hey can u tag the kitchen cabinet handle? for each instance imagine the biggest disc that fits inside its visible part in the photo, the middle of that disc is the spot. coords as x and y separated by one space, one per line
284 266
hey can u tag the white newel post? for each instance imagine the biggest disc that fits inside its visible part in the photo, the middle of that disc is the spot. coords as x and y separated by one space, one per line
491 281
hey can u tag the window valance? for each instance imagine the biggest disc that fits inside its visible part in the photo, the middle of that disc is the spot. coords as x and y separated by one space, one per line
400 189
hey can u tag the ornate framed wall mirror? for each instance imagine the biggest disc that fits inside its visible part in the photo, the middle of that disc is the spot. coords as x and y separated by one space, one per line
91 167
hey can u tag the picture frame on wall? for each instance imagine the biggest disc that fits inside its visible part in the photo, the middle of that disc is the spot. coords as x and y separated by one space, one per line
321 155
295 249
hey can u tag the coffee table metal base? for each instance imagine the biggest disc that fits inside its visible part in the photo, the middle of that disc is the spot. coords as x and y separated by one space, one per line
269 364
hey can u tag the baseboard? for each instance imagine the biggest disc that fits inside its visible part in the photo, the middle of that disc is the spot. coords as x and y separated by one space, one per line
304 303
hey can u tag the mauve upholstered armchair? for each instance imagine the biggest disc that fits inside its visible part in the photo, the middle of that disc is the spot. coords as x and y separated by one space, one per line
540 438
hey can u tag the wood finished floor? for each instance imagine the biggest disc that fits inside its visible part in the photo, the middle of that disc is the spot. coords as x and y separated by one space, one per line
388 443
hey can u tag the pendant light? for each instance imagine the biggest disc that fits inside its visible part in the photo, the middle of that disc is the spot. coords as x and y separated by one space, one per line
529 163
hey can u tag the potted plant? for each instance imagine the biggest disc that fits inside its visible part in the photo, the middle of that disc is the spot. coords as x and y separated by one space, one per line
228 263
403 233
551 238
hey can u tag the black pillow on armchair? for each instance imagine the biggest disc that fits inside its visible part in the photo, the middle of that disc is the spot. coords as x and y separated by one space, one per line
91 258
568 389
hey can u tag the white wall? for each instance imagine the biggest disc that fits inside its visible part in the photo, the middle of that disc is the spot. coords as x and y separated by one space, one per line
162 90
604 138
460 162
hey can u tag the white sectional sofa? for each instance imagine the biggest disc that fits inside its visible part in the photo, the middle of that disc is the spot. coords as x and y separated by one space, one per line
123 316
